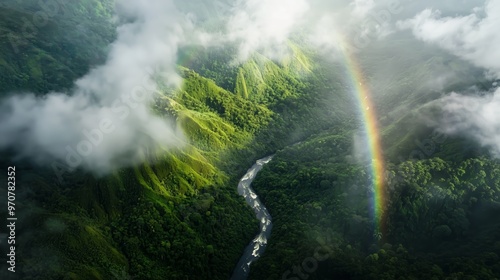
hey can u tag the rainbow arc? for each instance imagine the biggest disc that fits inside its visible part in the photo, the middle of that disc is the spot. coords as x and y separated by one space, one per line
371 129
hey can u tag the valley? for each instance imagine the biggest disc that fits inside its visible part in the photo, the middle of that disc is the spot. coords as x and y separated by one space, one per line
139 208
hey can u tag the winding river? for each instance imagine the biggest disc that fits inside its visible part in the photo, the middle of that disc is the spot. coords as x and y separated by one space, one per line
256 248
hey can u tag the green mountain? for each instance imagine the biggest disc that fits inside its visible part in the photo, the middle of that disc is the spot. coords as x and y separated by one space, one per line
178 216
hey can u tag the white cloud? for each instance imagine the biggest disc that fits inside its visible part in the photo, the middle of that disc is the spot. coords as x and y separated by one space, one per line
362 7
474 116
473 37
264 25
105 122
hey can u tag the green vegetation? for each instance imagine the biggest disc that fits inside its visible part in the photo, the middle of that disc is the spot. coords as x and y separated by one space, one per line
441 215
39 53
179 216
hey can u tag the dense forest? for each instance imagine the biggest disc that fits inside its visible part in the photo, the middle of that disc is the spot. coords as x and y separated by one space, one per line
441 218
178 215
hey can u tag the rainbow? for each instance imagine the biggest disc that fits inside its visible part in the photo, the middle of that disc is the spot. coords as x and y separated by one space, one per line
369 120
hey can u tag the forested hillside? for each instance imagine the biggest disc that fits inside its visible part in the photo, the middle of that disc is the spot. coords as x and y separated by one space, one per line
45 46
441 216
177 215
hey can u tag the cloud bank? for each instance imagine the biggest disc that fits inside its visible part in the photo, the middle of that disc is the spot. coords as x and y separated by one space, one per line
473 37
265 25
106 121
473 116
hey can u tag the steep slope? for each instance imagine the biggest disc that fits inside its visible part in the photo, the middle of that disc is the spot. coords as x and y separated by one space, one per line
178 214
261 80
183 226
